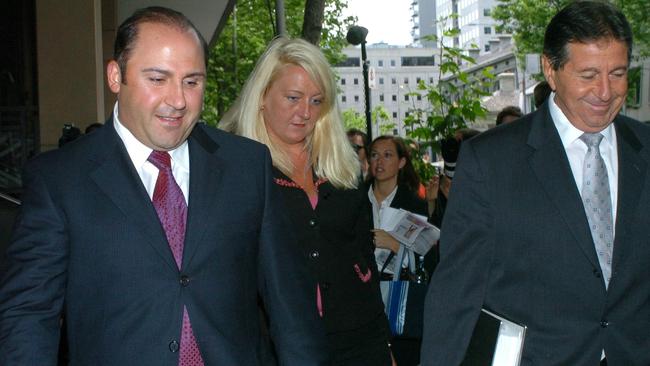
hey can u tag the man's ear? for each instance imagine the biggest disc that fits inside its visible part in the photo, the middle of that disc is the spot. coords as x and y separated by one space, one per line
114 76
549 73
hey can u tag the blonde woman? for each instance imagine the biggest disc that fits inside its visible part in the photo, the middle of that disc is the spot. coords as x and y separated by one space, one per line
289 104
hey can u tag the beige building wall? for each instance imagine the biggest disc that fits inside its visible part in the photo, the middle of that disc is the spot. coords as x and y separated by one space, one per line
70 66
74 44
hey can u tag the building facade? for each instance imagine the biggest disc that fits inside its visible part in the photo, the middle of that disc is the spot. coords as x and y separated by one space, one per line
397 73
474 20
423 20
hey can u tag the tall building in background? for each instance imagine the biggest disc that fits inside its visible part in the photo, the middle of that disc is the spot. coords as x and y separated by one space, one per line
397 72
423 19
474 21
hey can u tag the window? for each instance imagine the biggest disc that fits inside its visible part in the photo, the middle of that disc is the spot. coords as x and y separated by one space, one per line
487 48
394 98
418 61
344 99
381 97
392 63
356 81
394 114
406 80
418 79
342 81
356 98
380 63
487 12
381 81
350 62
419 97
393 81
406 98
487 30
431 80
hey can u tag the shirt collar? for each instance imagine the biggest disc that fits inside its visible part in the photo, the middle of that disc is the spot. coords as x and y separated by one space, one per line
568 132
387 201
139 152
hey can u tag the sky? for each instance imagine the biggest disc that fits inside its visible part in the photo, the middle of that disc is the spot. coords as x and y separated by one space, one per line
387 20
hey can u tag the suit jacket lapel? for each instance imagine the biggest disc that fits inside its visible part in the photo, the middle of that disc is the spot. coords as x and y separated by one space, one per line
631 177
118 179
551 166
206 169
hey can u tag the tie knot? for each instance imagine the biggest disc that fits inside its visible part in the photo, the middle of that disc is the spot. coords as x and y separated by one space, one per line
591 139
160 159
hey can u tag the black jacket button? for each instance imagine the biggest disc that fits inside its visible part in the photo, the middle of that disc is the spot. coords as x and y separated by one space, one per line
173 346
314 254
184 281
604 323
597 273
313 223
325 285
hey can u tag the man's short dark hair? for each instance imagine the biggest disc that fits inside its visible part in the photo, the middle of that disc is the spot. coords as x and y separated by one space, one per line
357 132
127 33
541 93
584 22
510 110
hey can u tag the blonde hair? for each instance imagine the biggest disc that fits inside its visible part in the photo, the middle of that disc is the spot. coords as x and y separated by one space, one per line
330 153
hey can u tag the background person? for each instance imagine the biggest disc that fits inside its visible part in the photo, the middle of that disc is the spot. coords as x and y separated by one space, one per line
289 104
541 93
508 114
141 234
526 236
393 183
359 141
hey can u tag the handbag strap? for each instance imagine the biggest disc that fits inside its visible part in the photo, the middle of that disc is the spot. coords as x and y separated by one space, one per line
397 266
390 256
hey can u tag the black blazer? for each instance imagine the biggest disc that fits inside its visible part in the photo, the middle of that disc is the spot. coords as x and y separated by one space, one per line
336 242
515 239
88 236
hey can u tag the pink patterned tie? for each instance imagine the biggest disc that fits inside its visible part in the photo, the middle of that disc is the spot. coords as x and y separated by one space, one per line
170 205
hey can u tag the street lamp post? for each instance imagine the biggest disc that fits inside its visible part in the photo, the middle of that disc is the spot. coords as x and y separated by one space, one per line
357 35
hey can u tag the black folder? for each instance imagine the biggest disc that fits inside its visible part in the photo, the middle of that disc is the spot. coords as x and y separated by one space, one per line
483 344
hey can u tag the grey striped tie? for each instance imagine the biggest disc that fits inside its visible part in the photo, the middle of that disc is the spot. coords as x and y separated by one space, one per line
596 198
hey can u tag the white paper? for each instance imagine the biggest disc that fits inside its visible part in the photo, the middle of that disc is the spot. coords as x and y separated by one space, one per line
411 230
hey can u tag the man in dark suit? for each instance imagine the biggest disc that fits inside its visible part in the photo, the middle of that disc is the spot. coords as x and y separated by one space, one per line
517 238
155 235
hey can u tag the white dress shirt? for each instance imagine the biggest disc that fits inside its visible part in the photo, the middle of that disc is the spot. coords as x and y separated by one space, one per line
576 150
139 153
382 254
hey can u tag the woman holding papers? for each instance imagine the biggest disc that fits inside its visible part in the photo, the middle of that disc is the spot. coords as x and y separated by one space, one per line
393 183
289 104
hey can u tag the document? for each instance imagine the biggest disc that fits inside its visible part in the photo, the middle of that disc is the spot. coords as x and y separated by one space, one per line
411 230
496 341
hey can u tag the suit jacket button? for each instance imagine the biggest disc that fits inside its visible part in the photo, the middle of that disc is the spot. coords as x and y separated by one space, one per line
604 323
314 254
313 223
173 346
597 273
325 285
184 281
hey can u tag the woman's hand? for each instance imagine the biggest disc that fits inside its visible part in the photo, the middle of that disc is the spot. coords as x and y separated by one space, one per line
432 188
383 240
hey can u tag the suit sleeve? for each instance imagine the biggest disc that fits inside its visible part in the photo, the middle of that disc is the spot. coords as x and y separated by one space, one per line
457 288
32 288
287 287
